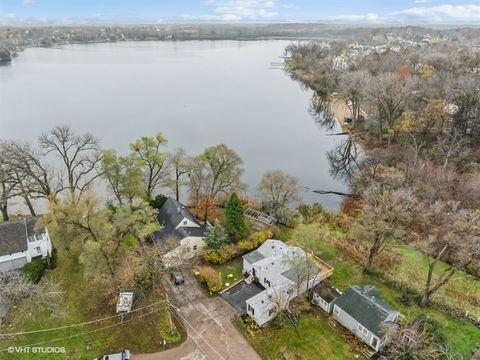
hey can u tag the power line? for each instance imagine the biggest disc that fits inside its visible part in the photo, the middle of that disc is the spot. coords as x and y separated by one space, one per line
193 340
196 332
85 332
79 324
176 312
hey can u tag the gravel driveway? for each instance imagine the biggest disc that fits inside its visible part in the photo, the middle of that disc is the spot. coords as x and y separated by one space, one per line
208 321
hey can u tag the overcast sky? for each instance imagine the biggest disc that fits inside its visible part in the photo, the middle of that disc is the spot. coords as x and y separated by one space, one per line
339 11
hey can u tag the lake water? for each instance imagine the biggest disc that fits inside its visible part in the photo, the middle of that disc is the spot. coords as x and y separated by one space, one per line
197 93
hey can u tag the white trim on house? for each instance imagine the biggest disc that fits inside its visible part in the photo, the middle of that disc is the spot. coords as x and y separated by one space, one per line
38 245
272 269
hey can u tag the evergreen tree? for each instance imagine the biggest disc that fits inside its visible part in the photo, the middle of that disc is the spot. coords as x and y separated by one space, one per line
216 237
235 217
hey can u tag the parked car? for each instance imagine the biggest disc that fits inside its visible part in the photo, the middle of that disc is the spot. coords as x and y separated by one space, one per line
124 355
177 277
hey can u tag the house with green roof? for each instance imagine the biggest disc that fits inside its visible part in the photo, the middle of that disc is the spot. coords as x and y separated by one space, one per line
362 310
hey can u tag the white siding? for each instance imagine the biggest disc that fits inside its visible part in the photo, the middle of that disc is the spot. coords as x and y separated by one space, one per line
324 304
42 247
187 249
14 261
187 223
247 267
351 324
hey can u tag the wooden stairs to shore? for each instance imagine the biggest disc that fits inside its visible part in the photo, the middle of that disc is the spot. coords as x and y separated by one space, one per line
260 217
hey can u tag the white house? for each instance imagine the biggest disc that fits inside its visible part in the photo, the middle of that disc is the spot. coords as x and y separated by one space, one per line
181 236
284 271
21 241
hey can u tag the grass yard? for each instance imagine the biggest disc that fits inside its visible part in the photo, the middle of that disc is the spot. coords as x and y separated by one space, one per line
316 339
141 331
463 288
230 272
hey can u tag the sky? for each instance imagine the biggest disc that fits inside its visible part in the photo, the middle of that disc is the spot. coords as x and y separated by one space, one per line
450 12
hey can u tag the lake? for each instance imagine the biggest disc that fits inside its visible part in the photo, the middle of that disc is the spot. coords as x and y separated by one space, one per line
197 93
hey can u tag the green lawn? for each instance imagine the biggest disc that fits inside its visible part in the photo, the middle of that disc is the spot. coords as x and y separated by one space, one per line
231 272
318 339
142 332
463 289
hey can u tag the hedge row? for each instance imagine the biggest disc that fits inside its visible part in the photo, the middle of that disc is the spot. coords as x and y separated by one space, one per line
230 251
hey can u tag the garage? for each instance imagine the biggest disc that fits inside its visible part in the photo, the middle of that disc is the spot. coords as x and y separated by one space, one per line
13 264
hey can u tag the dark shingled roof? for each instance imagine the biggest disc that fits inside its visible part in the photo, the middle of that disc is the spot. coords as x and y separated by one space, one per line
170 216
326 292
301 271
365 304
13 235
253 257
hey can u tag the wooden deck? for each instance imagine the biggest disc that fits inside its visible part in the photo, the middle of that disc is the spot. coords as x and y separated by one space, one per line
326 270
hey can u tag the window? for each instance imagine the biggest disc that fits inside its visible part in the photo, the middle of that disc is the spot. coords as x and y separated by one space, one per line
270 312
362 330
194 247
251 309
39 236
336 310
322 302
267 282
185 223
290 292
38 249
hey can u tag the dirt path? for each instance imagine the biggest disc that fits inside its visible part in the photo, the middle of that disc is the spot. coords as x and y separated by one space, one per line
208 321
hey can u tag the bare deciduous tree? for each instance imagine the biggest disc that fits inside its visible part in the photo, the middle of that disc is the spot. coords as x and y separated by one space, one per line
382 220
353 85
277 192
80 156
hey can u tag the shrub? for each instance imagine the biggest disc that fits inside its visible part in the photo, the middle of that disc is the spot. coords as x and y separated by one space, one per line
211 256
213 279
34 270
158 201
53 259
229 251
216 237
259 237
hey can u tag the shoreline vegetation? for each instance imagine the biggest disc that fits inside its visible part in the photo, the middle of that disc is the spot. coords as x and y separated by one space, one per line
413 228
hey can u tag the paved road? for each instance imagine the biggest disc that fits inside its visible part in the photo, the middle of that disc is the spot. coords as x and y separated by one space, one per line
208 321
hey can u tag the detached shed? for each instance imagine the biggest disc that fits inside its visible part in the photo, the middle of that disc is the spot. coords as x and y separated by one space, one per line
125 302
324 295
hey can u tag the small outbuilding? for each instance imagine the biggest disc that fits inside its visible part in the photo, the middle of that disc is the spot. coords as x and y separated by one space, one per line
324 295
125 302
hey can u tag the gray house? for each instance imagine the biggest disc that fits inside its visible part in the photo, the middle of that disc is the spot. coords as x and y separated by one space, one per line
362 310
21 242
181 236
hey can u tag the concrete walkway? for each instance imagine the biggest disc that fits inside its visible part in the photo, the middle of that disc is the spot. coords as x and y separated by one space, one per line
208 321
